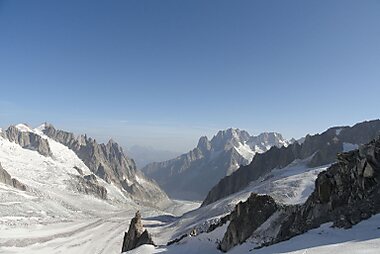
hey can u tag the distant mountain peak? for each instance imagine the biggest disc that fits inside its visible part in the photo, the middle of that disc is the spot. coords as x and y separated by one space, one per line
210 161
204 144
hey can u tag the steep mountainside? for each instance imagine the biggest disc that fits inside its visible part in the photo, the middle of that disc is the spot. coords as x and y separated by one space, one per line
322 148
109 162
191 175
58 205
54 188
347 193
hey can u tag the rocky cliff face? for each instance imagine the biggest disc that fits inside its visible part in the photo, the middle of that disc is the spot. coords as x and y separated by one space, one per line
136 235
210 161
246 218
109 162
6 178
321 147
89 184
347 193
27 139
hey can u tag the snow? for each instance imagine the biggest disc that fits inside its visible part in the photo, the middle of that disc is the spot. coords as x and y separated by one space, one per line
245 151
361 238
23 128
51 217
140 180
41 128
290 185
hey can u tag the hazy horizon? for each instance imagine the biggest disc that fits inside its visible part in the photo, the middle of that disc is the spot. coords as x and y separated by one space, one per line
130 139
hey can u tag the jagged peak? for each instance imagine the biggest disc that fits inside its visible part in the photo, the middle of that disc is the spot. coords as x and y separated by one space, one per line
203 143
230 133
112 144
111 141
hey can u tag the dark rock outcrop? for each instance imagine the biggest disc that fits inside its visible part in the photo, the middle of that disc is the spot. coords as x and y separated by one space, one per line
322 148
28 140
79 170
345 194
246 218
6 178
136 235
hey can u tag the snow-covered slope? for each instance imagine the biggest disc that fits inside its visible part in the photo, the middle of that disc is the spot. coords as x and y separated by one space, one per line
58 212
110 163
323 147
210 161
53 216
289 185
360 239
52 194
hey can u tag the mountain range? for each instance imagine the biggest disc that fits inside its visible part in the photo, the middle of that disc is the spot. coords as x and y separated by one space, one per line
191 175
321 149
106 162
66 193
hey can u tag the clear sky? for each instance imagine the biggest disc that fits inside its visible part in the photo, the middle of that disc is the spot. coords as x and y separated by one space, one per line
163 73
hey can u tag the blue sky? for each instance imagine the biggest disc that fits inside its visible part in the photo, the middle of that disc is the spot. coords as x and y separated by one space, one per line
163 73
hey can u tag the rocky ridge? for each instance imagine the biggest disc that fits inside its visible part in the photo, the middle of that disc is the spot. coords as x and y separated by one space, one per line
109 162
89 184
345 194
322 148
